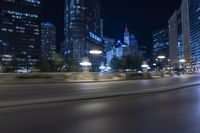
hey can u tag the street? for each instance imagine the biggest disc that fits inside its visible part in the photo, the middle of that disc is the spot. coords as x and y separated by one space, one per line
171 112
39 92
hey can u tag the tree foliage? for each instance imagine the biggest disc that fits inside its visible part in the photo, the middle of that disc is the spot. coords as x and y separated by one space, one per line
72 65
54 65
126 62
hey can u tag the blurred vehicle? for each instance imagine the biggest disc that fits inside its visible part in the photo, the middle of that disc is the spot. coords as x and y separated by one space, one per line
178 72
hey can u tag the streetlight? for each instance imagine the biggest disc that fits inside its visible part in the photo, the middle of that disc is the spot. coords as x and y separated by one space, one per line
102 67
161 57
161 63
95 52
85 64
182 61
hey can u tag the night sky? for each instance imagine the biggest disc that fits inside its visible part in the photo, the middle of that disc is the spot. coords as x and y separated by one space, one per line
142 17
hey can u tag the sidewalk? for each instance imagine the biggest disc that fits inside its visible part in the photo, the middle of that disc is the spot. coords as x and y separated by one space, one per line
96 93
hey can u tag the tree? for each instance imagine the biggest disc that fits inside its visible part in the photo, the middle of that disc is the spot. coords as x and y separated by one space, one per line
134 62
57 62
126 62
115 64
72 65
44 65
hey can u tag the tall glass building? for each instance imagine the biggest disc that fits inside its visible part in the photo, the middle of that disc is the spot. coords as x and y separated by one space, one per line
48 40
161 43
20 32
194 13
82 31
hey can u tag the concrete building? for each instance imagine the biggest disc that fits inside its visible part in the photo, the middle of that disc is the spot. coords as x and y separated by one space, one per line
175 39
186 31
188 41
194 20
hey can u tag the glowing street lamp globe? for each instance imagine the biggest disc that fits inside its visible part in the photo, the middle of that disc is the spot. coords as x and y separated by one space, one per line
161 57
85 63
95 52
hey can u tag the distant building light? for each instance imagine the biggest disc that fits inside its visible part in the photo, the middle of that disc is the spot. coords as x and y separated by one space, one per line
7 56
124 46
182 61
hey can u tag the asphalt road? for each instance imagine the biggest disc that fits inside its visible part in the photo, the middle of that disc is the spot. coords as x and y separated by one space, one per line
20 92
171 112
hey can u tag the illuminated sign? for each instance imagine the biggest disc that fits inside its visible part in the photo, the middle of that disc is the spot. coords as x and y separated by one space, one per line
95 37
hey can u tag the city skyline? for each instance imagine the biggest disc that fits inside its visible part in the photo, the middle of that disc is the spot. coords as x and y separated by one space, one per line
99 66
84 28
155 14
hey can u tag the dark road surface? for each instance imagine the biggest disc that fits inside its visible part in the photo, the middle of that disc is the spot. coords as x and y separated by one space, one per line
171 112
20 92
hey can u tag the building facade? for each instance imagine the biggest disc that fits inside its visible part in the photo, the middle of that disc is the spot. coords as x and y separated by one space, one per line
48 40
130 46
186 31
126 36
20 28
194 16
188 41
161 43
83 31
109 43
176 46
133 45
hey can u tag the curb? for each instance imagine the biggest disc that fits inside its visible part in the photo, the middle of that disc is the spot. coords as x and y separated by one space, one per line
92 96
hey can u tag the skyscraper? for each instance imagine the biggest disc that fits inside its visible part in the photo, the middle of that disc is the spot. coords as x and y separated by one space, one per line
130 46
133 45
186 31
20 31
82 30
109 43
188 41
194 16
161 43
126 36
48 40
176 46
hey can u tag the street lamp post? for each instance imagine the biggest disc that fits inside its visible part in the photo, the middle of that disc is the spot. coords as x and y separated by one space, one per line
161 64
95 52
160 60
182 62
161 57
85 64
